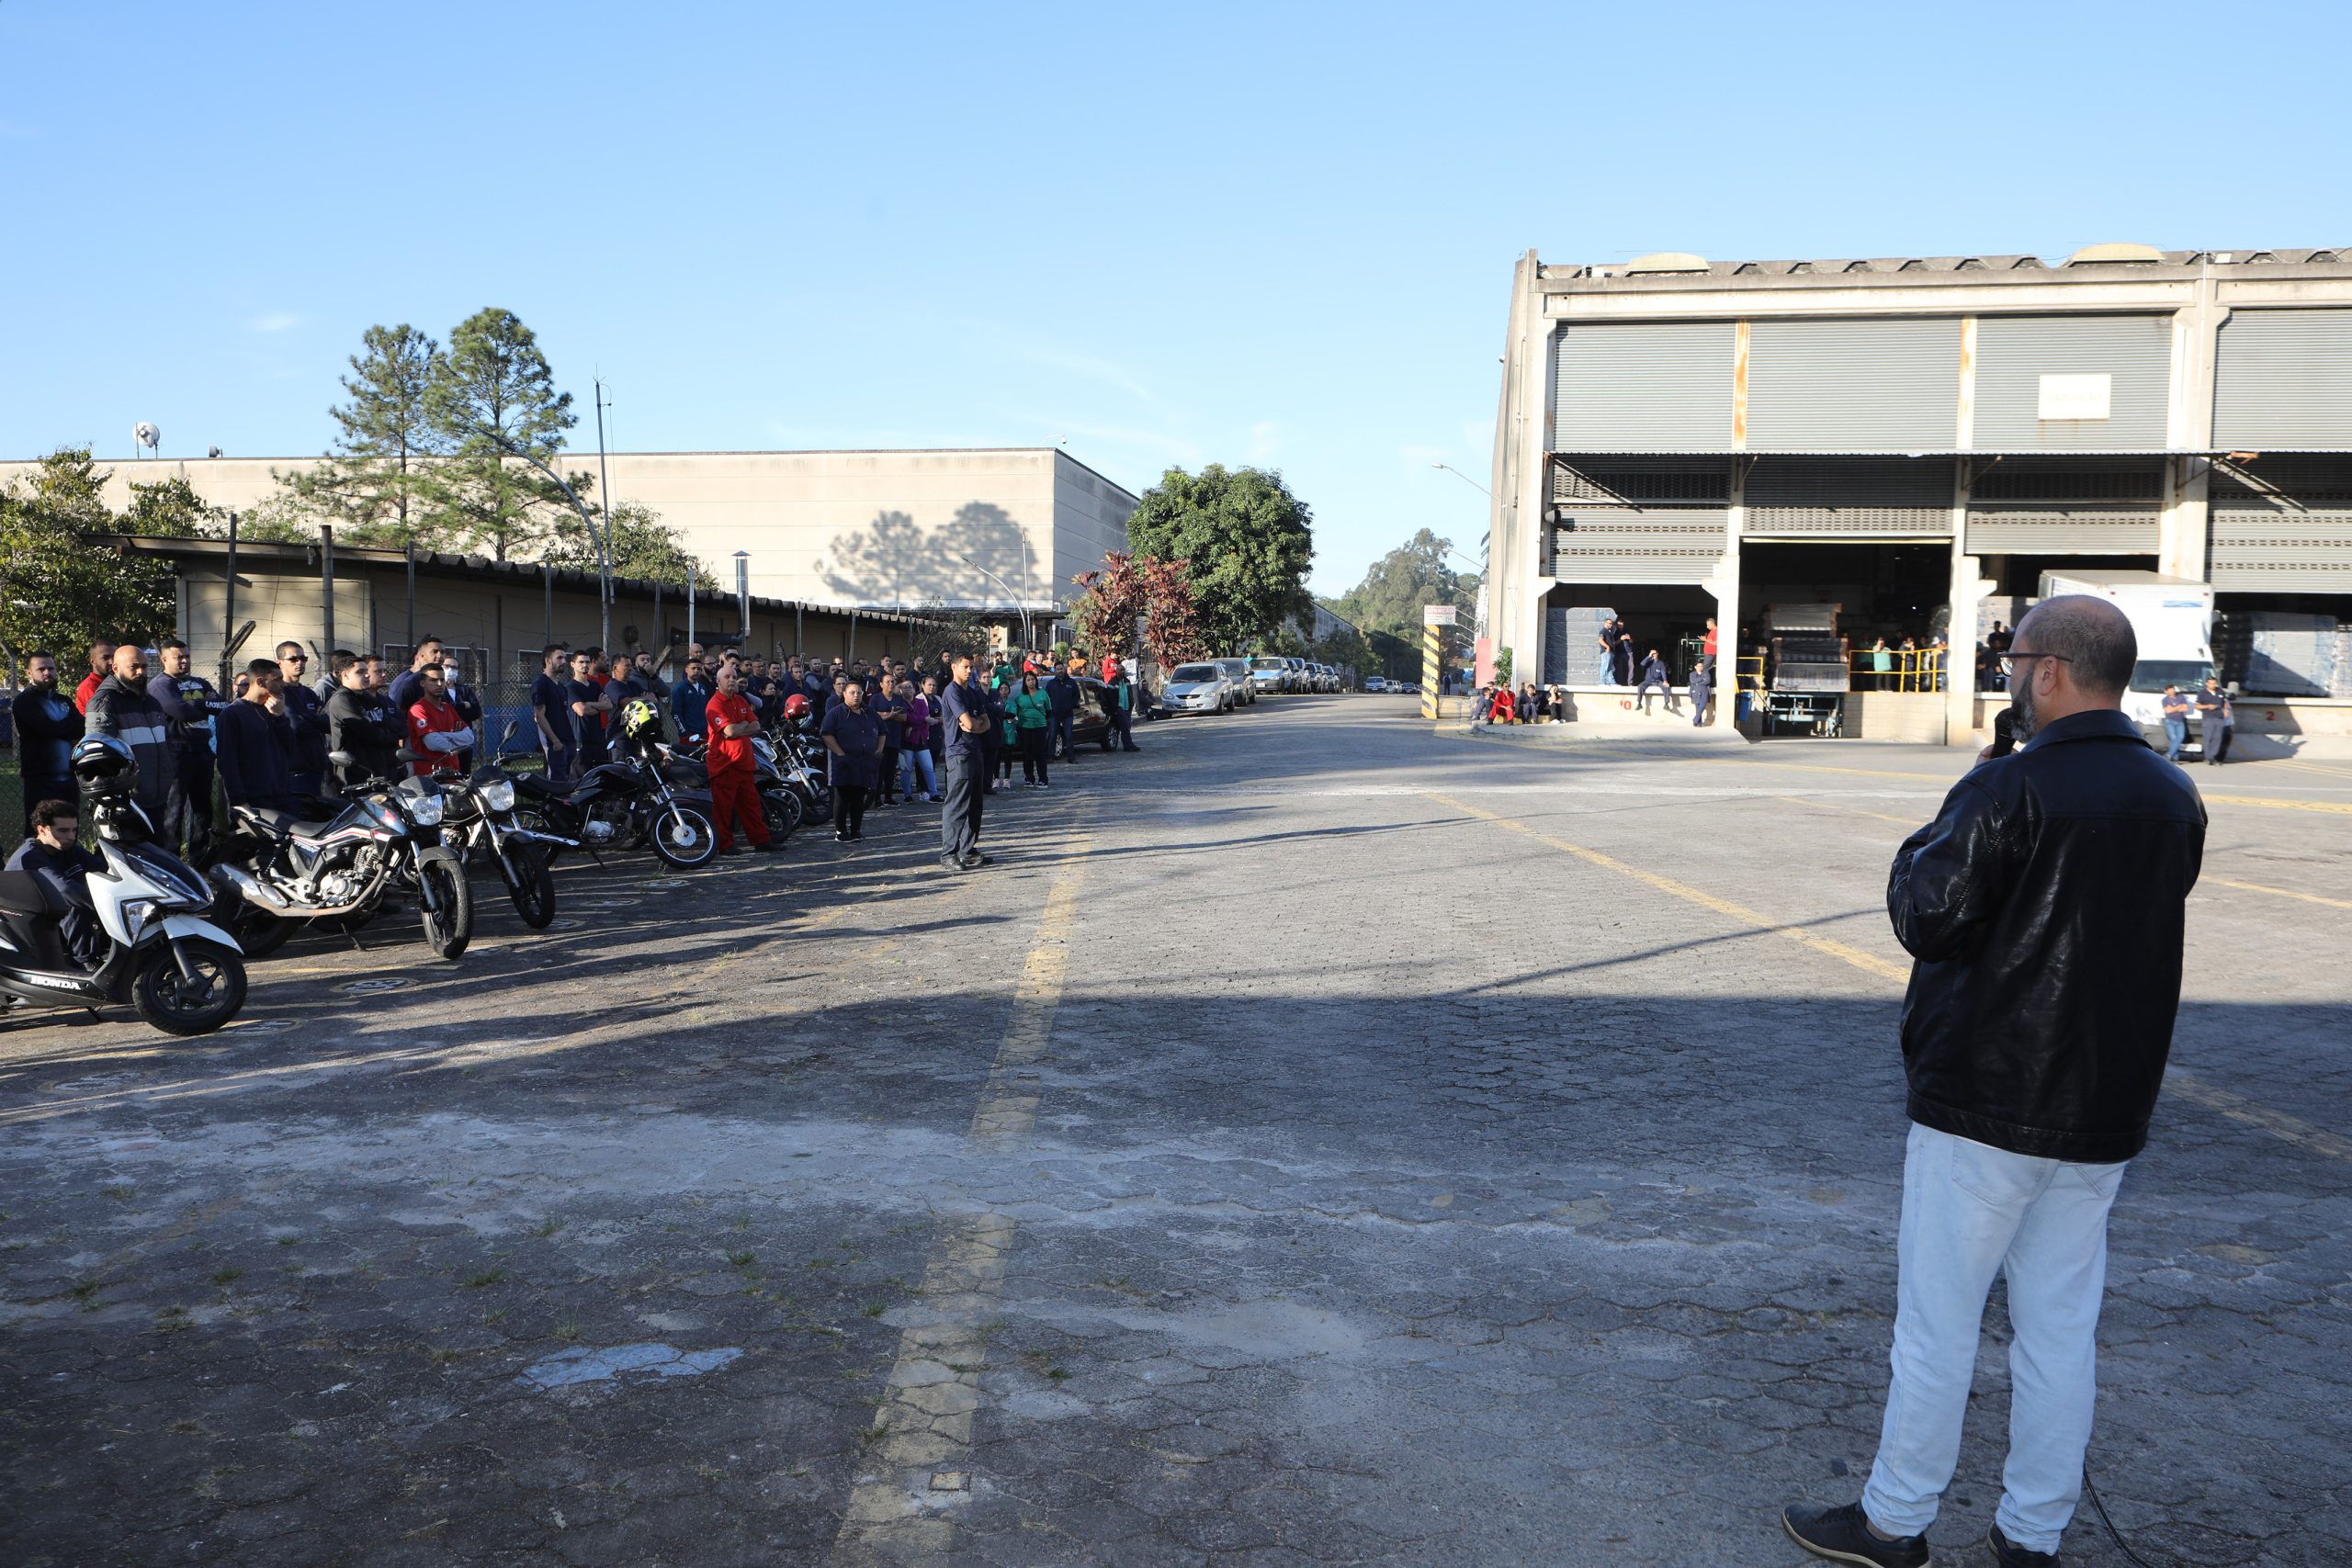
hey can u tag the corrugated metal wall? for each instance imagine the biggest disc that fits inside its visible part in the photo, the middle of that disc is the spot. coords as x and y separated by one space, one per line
1642 387
1658 520
1832 386
2296 536
2283 379
2029 506
1850 497
2014 353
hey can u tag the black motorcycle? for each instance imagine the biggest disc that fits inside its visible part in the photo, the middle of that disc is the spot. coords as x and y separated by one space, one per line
478 821
280 870
799 759
619 805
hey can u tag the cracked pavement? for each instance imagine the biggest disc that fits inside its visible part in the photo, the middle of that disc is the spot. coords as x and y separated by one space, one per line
1384 1186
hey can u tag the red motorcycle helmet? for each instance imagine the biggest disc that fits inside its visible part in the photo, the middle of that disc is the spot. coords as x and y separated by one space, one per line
796 707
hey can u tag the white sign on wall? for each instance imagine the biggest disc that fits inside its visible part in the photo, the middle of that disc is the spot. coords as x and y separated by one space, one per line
2075 397
1438 614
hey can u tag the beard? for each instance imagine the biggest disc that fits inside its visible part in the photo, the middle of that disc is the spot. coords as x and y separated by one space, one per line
2023 722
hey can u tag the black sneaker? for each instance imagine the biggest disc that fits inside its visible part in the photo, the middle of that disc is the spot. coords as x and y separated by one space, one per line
2009 1555
974 859
951 863
1842 1534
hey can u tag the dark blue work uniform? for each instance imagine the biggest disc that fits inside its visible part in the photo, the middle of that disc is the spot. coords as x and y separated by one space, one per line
966 760
188 703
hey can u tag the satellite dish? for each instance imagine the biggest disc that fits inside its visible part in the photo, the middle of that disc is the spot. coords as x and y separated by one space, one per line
146 435
214 452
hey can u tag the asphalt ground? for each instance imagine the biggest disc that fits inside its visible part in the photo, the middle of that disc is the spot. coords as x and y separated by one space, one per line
1315 1139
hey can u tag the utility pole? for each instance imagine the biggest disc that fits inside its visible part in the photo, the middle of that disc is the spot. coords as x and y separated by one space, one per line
604 481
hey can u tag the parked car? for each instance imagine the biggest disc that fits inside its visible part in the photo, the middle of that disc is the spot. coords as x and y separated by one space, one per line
1376 682
1319 677
1237 675
1196 688
1270 674
1298 682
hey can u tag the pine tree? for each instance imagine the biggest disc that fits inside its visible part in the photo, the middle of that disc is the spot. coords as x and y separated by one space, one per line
490 398
372 484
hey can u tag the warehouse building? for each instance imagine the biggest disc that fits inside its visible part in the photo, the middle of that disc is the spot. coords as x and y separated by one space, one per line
995 531
1917 440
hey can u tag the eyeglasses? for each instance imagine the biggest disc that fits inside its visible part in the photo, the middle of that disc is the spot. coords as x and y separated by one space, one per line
293 658
2010 662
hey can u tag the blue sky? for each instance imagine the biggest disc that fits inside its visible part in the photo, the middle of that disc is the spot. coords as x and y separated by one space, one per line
1273 234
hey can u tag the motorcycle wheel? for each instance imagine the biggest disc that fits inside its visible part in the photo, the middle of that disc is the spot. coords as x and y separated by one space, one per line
451 927
782 810
167 1000
816 809
529 885
688 844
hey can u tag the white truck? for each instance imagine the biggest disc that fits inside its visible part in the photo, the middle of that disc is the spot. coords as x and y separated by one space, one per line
2173 619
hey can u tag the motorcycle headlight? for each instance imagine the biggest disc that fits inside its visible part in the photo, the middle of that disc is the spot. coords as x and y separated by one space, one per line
137 913
498 795
425 809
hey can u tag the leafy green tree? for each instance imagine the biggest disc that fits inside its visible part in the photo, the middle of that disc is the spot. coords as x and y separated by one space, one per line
643 546
59 591
1247 542
372 485
488 399
1387 606
1346 648
171 509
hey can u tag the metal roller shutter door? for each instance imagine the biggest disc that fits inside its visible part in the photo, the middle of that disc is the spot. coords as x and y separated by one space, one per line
2014 353
2051 530
1845 499
1642 387
1890 385
1616 544
2281 551
2283 379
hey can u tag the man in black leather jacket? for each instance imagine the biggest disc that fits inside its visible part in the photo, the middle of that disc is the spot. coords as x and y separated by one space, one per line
2044 908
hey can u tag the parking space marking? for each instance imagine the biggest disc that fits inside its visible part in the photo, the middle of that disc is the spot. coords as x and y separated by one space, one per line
1904 822
2276 1122
2340 806
2276 892
933 1390
1869 962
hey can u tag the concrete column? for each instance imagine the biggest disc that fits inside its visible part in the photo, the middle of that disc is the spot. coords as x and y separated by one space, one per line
1967 595
2183 531
1725 585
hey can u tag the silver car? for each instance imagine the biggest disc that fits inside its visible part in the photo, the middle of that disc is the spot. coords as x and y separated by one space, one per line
1196 688
1237 675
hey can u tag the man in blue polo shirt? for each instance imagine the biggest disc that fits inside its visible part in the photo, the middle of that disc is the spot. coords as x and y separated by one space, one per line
969 723
552 713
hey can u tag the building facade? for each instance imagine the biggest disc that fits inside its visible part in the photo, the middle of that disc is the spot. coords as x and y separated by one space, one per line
1918 439
995 531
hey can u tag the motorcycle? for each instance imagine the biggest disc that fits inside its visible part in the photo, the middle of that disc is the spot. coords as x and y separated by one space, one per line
781 804
280 869
619 805
480 818
800 761
183 974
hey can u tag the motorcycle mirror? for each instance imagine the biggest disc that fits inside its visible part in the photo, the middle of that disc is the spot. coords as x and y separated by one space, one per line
406 755
342 759
509 732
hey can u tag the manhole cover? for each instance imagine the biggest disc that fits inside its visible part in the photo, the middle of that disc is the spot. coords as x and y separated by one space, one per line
380 983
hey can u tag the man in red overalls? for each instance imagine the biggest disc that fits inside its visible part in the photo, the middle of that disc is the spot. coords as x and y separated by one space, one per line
728 759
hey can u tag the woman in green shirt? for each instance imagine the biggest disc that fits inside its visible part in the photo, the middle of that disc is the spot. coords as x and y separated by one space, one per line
1033 712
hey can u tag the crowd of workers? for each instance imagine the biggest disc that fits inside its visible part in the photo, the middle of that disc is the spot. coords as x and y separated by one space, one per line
890 733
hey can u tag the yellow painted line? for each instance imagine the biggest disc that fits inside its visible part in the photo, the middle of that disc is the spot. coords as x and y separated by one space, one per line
2276 892
2340 807
1822 768
1869 962
933 1390
1904 822
2277 1123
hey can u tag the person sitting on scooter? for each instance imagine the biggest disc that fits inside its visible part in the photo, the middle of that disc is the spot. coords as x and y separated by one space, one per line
54 855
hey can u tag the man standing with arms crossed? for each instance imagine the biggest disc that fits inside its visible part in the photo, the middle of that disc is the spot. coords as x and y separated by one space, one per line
2044 908
969 723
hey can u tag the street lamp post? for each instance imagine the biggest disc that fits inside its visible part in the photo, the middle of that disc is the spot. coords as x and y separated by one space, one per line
604 556
1017 602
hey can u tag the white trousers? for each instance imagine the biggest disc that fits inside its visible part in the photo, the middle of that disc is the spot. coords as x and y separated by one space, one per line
1970 1212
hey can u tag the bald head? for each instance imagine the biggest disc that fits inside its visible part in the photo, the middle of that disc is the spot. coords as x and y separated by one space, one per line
2092 639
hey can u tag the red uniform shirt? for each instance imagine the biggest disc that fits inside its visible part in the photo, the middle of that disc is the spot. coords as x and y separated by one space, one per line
1709 648
82 692
424 719
724 755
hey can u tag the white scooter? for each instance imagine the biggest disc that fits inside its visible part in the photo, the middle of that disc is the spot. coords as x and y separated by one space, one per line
183 973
